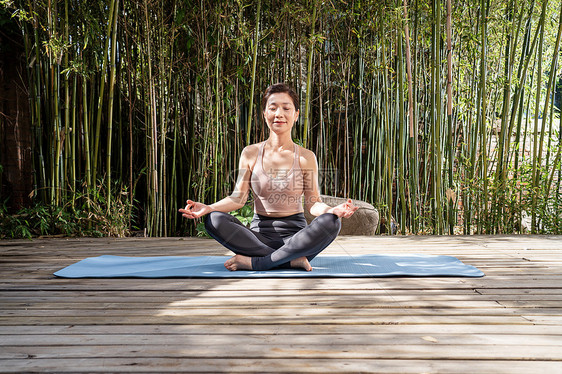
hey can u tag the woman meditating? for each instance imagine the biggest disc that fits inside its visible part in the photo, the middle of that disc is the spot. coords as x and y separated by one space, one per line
280 173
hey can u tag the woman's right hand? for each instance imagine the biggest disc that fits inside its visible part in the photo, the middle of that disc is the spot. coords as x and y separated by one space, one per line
195 210
344 210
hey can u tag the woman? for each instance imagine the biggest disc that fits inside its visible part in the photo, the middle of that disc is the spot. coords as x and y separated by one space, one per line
279 172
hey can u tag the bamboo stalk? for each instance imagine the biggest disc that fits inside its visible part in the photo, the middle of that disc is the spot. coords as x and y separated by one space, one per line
518 104
388 151
217 126
357 181
57 148
309 79
73 141
482 115
152 137
451 201
128 52
522 74
549 89
412 139
436 129
67 129
106 52
415 190
537 147
401 141
86 129
113 67
174 183
254 65
501 169
37 98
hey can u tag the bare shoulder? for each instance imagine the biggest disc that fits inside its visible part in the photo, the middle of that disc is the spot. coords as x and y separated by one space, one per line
251 150
249 155
307 158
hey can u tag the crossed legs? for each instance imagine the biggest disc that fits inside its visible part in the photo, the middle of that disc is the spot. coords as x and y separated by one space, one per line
257 251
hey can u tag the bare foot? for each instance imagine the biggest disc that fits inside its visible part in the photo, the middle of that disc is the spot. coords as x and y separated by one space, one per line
238 262
301 262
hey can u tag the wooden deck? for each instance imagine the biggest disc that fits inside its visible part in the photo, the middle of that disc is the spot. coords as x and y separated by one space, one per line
507 322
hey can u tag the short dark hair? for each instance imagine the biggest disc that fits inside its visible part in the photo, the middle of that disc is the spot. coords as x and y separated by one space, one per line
279 88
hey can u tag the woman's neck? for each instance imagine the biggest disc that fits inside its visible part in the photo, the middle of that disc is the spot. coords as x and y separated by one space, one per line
280 142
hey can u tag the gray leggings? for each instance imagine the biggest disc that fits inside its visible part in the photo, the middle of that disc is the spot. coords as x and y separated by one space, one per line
274 241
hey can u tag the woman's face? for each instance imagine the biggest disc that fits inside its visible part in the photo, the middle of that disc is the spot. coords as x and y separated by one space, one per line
280 113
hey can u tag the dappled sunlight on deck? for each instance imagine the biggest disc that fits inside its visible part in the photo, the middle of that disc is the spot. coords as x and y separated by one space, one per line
509 321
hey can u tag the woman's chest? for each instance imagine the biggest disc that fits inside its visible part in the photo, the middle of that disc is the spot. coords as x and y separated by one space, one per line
279 164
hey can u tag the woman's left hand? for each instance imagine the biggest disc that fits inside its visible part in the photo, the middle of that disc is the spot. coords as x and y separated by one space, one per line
344 210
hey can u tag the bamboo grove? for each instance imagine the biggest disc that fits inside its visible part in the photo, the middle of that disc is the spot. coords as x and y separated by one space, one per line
442 114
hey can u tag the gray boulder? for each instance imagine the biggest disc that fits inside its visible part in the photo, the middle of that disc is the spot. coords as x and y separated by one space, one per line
363 222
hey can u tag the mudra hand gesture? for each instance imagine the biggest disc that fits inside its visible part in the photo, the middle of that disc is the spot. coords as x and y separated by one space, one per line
344 210
194 209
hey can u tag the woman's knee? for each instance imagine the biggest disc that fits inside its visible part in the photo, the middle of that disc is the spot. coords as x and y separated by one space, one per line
214 220
330 222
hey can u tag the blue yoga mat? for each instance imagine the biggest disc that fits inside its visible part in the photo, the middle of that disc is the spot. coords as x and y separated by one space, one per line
323 266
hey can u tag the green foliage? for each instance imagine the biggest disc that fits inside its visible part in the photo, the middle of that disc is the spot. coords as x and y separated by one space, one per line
178 115
201 231
244 215
91 216
44 220
108 219
546 215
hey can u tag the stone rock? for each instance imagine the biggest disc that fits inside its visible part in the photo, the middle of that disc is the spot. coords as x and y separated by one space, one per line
363 222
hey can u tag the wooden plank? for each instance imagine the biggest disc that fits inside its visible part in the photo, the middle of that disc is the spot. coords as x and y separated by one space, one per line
265 320
164 286
195 291
275 313
262 295
213 338
209 329
357 298
288 350
194 303
296 365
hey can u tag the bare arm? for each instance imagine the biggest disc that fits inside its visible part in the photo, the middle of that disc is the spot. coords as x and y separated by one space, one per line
312 200
236 199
